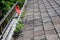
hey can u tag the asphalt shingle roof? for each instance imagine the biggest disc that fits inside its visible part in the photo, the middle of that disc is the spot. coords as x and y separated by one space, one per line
42 20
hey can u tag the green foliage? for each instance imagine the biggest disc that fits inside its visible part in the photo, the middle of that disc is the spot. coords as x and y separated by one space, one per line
19 27
5 5
23 13
16 31
20 6
21 0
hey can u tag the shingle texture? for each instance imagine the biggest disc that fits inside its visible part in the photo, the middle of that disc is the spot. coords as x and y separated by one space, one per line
42 20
